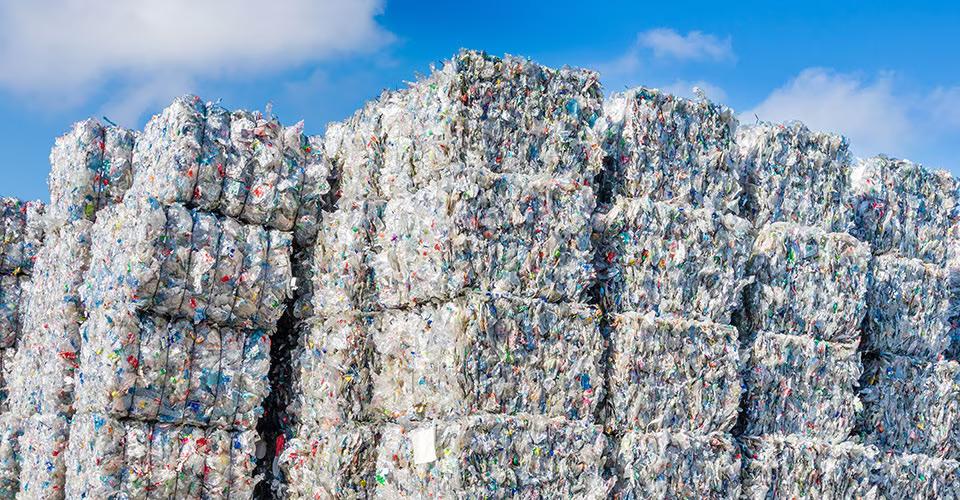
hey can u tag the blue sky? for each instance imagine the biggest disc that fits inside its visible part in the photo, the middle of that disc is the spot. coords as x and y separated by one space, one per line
886 74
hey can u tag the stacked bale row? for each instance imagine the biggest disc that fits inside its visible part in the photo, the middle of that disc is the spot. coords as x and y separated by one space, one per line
451 353
672 259
188 277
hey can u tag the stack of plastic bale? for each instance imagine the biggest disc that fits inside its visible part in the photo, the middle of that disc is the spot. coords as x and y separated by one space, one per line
671 259
452 353
188 278
801 316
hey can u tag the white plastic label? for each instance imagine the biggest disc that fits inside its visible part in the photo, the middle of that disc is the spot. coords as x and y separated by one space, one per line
424 444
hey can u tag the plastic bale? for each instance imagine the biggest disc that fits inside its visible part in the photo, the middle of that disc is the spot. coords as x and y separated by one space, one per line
95 456
917 476
6 365
908 307
807 282
677 465
191 264
793 466
22 226
673 374
42 468
91 168
10 432
331 461
793 174
902 207
12 298
669 148
492 456
342 280
798 385
912 406
488 354
668 259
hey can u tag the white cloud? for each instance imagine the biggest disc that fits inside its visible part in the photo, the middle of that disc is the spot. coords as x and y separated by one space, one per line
694 46
65 47
944 103
869 112
684 88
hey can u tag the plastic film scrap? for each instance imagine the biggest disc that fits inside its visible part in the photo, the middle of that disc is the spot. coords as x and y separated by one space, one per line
908 307
673 374
668 259
798 385
793 174
911 406
807 282
677 465
902 207
793 466
668 148
492 456
21 234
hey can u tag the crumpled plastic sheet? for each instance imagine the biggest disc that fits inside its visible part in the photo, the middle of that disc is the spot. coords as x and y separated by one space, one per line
492 456
807 282
91 168
47 353
109 458
912 405
486 353
12 302
799 385
673 374
901 206
22 225
908 307
677 465
240 164
669 259
669 148
918 476
792 466
188 263
330 461
173 371
793 174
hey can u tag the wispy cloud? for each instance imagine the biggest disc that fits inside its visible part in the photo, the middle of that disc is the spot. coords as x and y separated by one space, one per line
694 46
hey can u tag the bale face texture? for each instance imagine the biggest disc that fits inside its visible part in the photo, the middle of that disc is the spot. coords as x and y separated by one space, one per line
908 307
109 458
808 282
798 385
792 174
668 148
792 466
21 234
331 461
12 302
91 168
664 258
492 456
677 465
6 362
673 374
189 264
912 406
918 476
238 164
902 207
487 354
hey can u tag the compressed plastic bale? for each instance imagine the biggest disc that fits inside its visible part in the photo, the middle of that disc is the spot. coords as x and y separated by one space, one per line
902 207
42 468
792 466
793 174
492 455
95 456
799 385
487 354
669 148
11 308
807 282
337 461
673 374
677 465
917 476
302 269
908 307
10 432
21 234
239 164
91 167
151 368
669 259
190 264
911 406
6 362
341 261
